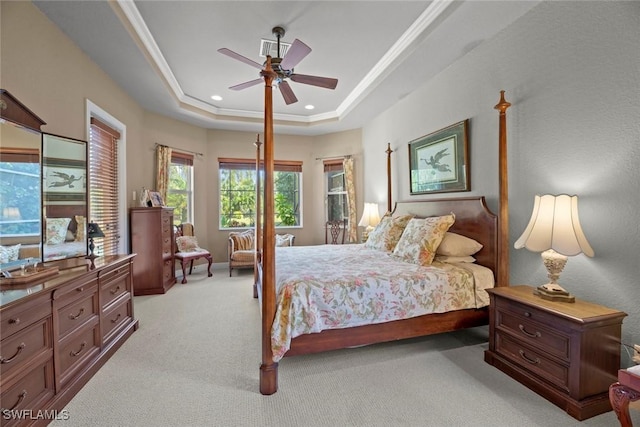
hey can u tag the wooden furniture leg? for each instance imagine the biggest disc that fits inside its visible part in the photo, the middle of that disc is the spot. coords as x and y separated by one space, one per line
189 259
620 396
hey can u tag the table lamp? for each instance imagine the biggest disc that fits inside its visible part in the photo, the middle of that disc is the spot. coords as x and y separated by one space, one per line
93 231
370 218
554 229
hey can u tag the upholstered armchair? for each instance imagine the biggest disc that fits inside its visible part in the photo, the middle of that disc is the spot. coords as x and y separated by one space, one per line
242 250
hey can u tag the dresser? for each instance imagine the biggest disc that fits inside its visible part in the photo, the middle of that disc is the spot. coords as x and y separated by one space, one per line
569 353
56 334
152 240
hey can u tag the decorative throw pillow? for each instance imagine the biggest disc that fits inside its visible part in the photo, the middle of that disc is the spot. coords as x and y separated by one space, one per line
9 253
457 245
421 238
56 230
187 244
284 239
450 259
242 241
387 233
81 229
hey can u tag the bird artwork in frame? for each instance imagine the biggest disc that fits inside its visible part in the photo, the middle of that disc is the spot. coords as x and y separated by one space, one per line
64 179
438 162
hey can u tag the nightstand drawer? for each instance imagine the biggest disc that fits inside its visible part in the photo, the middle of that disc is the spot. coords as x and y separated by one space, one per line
533 360
533 333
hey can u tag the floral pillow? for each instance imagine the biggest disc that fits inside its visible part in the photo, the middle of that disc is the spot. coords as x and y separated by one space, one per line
421 239
82 228
9 253
387 233
56 231
187 244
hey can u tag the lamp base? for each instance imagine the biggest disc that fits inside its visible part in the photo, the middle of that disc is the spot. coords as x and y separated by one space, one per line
555 293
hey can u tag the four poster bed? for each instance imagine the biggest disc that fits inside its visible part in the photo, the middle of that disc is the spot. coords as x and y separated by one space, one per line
299 326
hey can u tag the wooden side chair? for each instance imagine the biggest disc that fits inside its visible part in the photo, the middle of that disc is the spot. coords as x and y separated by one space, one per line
187 250
334 230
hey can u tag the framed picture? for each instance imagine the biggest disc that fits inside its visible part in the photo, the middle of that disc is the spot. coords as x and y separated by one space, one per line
439 162
64 180
156 199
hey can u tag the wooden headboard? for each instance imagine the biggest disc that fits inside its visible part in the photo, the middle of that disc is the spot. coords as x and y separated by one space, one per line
66 211
473 220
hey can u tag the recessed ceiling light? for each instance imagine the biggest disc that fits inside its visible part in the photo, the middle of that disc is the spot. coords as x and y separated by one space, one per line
216 97
309 107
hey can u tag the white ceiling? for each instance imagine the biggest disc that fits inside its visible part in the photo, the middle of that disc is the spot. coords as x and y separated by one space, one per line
164 53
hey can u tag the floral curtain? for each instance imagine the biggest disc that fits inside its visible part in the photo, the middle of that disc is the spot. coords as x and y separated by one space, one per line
162 167
349 182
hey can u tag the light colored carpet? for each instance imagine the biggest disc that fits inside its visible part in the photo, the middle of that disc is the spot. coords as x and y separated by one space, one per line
194 362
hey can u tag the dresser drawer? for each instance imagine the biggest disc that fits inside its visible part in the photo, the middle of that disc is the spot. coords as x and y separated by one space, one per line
114 286
78 350
117 316
520 323
19 317
533 360
20 348
74 315
167 271
30 392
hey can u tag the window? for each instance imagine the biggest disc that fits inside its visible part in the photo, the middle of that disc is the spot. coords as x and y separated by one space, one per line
20 192
238 193
336 191
103 185
180 191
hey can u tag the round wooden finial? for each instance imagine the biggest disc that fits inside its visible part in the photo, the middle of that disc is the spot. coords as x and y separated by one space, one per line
503 104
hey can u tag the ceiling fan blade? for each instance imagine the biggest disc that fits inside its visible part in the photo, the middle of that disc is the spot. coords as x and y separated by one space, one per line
324 82
246 84
240 58
287 93
295 54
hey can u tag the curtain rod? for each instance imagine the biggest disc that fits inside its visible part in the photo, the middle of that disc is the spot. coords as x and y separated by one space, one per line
180 149
335 157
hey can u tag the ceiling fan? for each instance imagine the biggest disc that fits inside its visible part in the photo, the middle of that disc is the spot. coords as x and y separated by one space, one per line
283 67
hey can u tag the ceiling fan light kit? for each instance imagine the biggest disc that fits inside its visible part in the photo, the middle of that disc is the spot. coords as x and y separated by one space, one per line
283 68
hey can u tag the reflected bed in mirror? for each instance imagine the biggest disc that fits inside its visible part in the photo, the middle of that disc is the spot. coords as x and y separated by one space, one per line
64 197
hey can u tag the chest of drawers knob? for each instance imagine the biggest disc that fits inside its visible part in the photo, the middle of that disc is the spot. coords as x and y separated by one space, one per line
75 316
14 321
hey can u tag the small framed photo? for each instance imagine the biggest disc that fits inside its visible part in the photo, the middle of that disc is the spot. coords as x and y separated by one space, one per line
439 162
156 199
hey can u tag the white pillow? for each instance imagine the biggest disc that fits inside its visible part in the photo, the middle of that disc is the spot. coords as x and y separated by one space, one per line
457 245
450 259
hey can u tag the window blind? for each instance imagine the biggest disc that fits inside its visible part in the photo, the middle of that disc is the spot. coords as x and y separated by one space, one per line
250 164
181 158
333 165
103 185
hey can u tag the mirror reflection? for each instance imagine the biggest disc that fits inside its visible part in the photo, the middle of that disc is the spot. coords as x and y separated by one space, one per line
64 197
20 203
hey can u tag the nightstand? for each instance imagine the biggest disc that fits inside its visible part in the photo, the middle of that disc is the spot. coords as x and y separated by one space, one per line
569 353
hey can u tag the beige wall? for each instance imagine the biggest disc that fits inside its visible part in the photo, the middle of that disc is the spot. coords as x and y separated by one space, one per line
54 78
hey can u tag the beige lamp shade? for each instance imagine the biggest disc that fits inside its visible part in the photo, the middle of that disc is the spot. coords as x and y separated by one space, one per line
555 224
370 216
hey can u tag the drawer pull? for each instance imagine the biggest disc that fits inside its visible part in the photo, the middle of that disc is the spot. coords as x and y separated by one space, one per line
15 321
532 361
537 334
74 317
115 291
75 353
20 348
117 318
20 399
527 314
80 289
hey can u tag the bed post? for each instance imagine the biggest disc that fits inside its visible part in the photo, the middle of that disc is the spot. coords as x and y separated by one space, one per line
268 368
258 230
503 217
389 151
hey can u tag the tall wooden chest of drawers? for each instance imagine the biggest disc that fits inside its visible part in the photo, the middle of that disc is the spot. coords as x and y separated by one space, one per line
152 239
569 353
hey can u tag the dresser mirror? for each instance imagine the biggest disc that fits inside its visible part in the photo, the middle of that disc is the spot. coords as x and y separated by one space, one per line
64 197
43 192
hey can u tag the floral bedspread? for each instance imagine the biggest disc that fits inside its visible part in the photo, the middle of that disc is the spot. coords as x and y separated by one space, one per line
339 286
